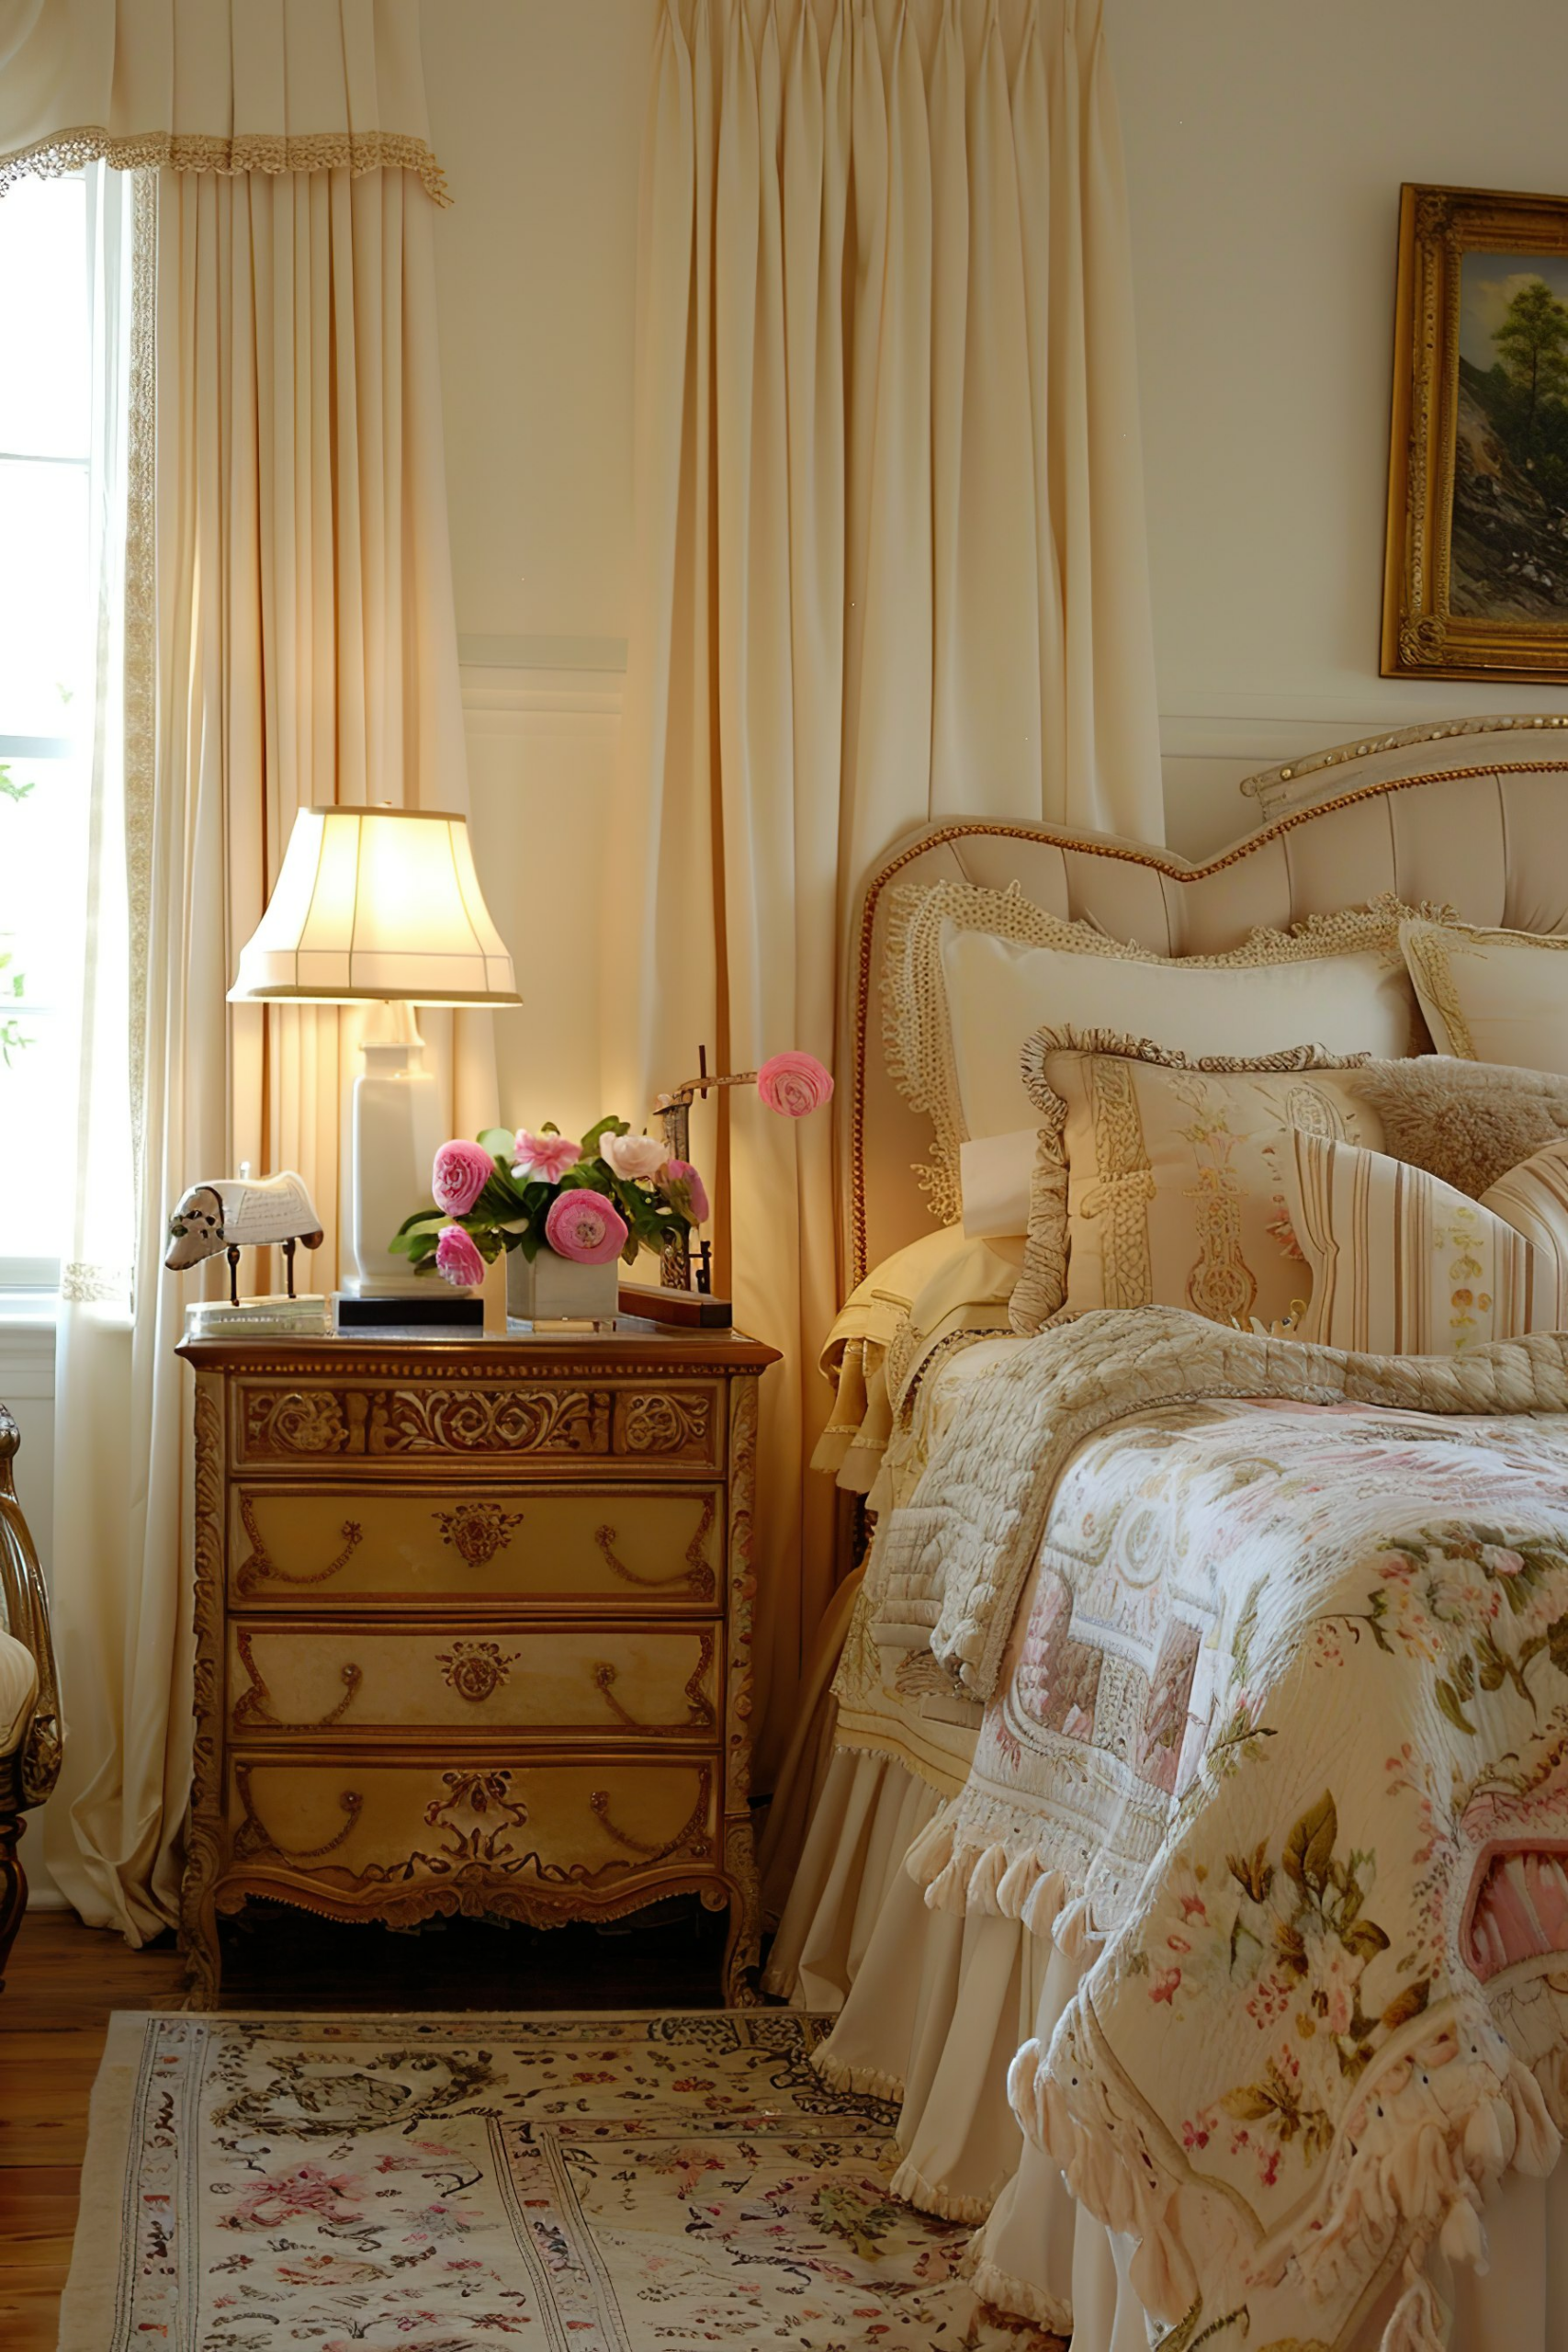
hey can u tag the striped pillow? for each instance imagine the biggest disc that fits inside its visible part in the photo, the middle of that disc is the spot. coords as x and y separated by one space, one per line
1402 1264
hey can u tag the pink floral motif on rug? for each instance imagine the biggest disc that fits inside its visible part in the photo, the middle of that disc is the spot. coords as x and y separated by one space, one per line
348 2184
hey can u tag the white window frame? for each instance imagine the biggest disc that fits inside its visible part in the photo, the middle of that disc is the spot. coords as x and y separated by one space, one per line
29 1282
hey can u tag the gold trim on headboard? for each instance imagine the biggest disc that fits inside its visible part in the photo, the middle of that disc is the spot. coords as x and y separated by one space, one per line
1163 861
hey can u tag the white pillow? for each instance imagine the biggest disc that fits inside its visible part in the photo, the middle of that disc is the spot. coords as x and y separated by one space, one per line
968 974
1492 996
995 1174
999 992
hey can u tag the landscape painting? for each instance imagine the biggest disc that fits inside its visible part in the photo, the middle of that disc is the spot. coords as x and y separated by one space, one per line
1508 557
1476 554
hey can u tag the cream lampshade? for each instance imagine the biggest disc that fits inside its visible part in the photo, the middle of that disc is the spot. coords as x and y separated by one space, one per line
380 906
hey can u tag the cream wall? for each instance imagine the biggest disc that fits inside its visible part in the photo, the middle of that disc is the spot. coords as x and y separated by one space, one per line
1265 144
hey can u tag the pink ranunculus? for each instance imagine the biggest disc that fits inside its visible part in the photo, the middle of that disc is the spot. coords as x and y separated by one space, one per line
684 1190
585 1226
631 1157
544 1156
794 1084
457 1261
461 1172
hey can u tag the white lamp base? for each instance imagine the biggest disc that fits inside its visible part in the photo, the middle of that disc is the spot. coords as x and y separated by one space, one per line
397 1131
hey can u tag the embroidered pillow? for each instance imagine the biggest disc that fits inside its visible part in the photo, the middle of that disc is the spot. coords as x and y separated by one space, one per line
1160 1181
1403 1265
969 974
1492 996
1533 1199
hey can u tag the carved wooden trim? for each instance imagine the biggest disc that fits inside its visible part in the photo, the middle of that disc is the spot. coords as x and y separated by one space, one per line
475 1671
291 1422
252 1709
700 1713
695 1571
665 1420
252 1836
476 1531
205 1841
258 1567
464 1419
692 1837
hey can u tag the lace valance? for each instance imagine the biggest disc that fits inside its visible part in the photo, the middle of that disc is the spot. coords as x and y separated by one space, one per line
195 85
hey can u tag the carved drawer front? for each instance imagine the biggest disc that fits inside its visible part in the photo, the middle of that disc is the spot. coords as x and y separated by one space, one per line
622 1549
494 1675
284 1425
559 1829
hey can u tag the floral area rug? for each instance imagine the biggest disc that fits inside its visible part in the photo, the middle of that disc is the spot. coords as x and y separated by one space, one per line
612 2184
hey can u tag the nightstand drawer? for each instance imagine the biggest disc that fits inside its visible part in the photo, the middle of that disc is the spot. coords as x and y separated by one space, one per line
281 1424
621 1550
560 1829
493 1676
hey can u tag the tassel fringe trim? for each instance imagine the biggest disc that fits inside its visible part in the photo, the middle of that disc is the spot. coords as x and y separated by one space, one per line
1011 2299
932 2197
961 1879
862 2082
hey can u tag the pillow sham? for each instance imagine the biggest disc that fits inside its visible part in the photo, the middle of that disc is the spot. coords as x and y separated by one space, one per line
969 973
1404 1264
1493 996
1160 1179
995 1173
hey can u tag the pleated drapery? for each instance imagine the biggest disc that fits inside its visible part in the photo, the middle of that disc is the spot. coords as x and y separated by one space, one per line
290 639
220 86
889 565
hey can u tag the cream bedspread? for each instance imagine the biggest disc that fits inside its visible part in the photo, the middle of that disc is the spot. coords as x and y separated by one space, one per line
1285 1721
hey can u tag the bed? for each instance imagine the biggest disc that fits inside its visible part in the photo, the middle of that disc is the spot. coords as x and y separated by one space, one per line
1002 1835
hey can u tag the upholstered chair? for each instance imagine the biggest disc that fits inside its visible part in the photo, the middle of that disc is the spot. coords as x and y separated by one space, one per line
29 1701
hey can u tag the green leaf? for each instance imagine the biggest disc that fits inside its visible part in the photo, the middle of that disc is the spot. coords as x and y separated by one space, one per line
1448 1700
499 1142
423 1217
1309 1848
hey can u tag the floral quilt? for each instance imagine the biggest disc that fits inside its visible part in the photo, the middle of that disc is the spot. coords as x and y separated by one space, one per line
1281 1734
360 2183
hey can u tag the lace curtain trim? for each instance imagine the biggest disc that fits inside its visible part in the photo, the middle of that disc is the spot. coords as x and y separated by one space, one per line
357 152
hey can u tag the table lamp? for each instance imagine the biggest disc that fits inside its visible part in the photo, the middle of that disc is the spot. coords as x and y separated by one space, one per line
380 906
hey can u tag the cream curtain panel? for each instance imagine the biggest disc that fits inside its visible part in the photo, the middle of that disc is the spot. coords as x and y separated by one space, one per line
226 85
889 564
289 638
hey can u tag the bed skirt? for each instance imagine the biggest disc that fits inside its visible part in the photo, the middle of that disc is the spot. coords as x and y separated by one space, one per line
931 2009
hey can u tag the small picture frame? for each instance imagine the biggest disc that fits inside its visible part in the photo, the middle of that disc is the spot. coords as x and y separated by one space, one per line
1475 576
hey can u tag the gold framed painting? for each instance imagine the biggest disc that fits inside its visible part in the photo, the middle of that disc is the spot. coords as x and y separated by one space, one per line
1475 575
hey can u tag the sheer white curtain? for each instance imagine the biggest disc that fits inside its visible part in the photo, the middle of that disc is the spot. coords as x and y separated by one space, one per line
889 565
289 638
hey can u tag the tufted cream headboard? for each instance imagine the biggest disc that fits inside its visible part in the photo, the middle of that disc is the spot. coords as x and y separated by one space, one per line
1485 832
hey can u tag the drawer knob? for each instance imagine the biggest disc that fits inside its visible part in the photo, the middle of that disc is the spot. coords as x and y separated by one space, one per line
476 1670
261 1568
476 1531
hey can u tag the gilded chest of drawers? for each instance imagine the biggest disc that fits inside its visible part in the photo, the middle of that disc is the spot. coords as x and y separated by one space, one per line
473 1628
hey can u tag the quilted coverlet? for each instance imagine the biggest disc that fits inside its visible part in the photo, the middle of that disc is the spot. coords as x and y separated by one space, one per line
1281 1732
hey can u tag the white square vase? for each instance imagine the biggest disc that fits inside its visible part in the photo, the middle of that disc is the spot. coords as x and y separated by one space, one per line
558 1290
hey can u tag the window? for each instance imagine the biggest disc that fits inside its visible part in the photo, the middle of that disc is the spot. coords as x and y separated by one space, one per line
45 703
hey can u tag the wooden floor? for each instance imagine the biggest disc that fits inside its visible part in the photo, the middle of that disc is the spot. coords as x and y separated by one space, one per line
65 1980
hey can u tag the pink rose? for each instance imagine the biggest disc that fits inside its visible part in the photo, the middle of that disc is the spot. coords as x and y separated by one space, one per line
631 1157
461 1172
684 1190
457 1260
585 1226
545 1157
794 1084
